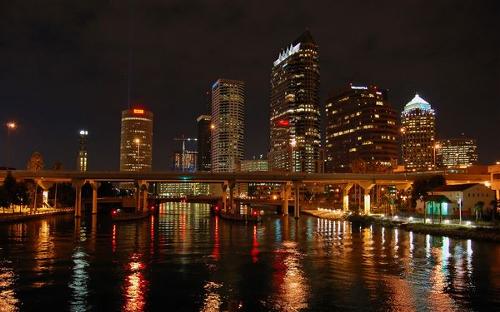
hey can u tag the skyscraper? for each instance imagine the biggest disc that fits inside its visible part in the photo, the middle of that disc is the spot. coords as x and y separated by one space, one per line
418 131
457 153
82 158
136 147
228 100
362 134
294 109
204 149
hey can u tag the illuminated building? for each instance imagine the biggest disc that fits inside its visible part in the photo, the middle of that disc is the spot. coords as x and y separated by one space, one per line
82 158
418 135
204 145
256 188
252 165
184 161
457 153
361 131
294 109
228 100
136 147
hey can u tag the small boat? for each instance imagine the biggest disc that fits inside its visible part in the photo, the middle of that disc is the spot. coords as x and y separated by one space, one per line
120 216
254 216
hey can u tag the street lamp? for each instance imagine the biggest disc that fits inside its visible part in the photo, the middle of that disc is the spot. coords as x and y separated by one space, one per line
138 142
293 143
11 126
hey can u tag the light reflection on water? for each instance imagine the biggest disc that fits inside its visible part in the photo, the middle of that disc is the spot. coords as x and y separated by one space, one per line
186 260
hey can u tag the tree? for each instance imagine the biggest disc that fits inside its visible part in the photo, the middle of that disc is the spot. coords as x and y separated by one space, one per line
493 205
35 163
9 185
424 184
21 194
4 201
478 209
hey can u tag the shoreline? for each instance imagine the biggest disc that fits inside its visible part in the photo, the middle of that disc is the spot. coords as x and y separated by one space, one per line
29 217
456 231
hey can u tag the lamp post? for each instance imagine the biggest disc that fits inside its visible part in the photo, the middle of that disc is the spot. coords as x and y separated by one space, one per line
11 126
138 142
293 143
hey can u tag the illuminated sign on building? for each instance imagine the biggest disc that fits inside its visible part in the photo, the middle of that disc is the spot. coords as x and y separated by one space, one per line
283 123
138 111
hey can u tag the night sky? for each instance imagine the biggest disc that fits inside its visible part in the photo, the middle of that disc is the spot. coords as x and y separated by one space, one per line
64 65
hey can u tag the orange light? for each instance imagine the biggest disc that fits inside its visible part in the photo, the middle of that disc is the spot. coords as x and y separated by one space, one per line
138 111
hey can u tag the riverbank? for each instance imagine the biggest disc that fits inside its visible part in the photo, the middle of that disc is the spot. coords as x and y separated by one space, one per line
451 230
21 217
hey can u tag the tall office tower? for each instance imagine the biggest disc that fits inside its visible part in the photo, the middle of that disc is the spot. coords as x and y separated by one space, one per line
362 134
136 147
204 133
418 135
294 109
228 100
82 158
457 153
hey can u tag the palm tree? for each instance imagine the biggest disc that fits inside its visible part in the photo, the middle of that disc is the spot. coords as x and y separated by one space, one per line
478 208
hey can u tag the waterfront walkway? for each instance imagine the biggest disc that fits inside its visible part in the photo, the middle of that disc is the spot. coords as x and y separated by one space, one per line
23 214
467 229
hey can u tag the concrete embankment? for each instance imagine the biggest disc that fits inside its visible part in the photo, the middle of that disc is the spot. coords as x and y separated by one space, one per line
457 231
13 218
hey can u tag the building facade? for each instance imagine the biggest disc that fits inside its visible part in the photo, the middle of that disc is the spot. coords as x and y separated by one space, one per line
204 123
295 123
457 153
184 161
418 135
362 134
136 146
227 123
82 158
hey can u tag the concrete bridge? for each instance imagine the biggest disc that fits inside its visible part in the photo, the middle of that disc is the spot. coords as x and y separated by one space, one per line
288 181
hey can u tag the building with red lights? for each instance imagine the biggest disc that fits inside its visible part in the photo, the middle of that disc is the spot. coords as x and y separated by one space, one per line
136 145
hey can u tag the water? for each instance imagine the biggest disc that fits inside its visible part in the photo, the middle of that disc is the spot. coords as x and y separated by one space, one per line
185 260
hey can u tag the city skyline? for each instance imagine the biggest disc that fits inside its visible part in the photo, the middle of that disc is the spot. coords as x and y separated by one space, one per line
76 90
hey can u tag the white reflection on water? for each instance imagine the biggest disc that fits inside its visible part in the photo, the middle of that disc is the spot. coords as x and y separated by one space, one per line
289 278
212 301
79 283
8 300
80 276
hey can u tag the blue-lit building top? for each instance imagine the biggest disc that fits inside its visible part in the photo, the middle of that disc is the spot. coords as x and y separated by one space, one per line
417 103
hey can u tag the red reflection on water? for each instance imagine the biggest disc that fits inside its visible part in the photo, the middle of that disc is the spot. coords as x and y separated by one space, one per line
113 238
255 244
152 235
135 285
216 251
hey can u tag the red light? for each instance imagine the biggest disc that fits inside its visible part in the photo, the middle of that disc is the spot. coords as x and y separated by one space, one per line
114 212
216 208
283 123
254 213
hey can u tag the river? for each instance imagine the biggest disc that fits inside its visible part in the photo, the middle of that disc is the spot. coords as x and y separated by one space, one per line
185 260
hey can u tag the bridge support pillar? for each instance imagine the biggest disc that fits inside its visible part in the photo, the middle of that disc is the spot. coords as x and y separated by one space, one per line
232 205
345 197
144 192
224 196
78 184
367 186
296 207
141 189
94 186
286 190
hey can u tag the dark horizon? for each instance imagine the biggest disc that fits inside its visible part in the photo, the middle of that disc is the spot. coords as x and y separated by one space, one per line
64 67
